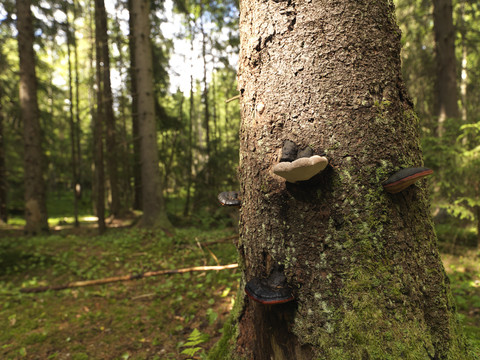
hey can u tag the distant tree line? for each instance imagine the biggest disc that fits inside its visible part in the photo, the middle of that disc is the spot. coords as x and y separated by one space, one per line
114 149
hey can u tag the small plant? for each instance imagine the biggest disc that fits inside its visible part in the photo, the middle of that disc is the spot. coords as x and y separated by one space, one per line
195 338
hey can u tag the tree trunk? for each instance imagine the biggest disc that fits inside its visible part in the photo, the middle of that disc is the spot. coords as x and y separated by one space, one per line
78 132
125 169
137 172
363 265
464 72
206 114
186 209
35 198
3 169
154 212
99 124
446 79
73 132
104 64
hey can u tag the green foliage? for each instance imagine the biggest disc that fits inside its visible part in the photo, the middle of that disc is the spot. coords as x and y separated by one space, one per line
457 170
194 339
455 155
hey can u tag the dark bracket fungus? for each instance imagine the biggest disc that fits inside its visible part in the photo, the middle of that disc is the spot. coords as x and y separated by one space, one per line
229 198
269 291
307 152
301 169
289 151
404 178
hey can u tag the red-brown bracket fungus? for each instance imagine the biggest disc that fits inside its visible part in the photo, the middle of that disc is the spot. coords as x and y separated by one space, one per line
301 169
404 178
229 198
269 291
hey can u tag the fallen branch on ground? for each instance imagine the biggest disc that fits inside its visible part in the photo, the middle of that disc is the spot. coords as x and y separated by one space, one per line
125 278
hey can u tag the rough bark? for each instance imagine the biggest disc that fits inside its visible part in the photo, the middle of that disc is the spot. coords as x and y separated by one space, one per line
153 206
35 197
446 80
363 264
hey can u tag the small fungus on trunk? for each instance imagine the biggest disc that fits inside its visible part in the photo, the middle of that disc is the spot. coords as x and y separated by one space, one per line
229 198
269 291
404 178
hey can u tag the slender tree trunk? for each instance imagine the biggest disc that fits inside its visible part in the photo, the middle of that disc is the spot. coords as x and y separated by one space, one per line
173 147
99 124
206 115
446 79
362 264
154 212
3 169
137 172
477 215
186 209
464 72
216 129
73 152
35 197
79 184
104 64
227 139
125 177
92 99
205 178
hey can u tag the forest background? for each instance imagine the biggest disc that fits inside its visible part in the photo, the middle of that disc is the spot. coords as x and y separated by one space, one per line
194 46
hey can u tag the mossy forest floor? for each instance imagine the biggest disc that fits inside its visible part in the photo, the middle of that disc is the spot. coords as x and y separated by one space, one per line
153 318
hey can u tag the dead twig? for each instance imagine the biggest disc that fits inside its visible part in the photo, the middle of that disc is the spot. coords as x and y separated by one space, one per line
143 296
125 278
233 98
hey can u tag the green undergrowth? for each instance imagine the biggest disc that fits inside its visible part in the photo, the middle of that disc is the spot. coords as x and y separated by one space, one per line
463 269
165 317
150 318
